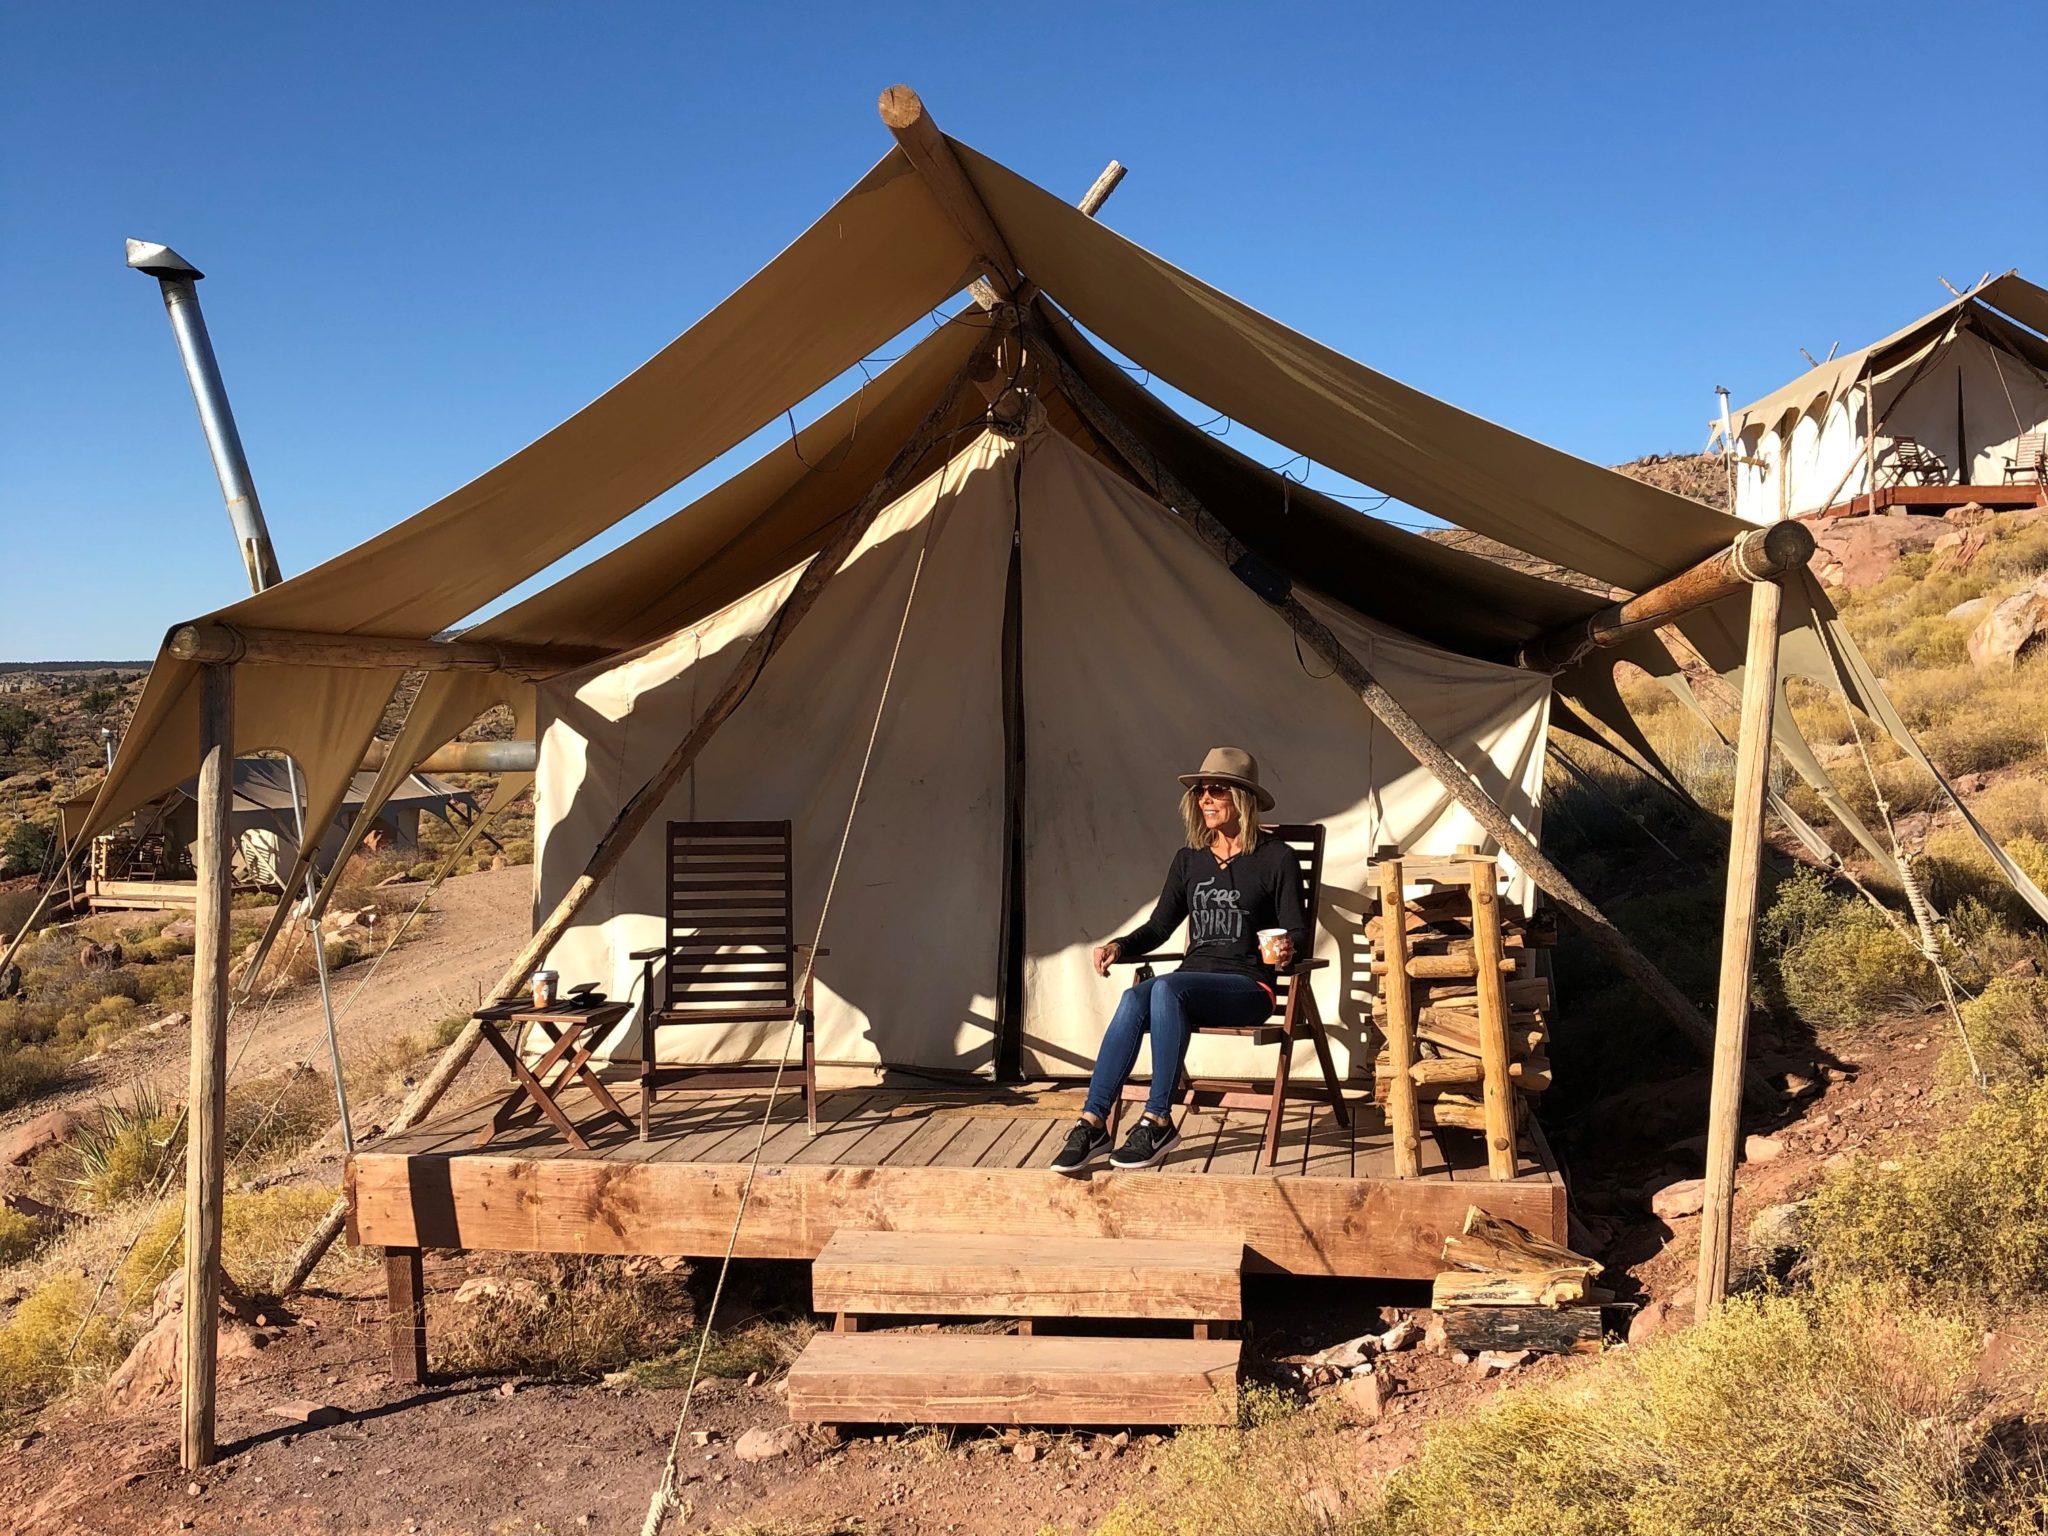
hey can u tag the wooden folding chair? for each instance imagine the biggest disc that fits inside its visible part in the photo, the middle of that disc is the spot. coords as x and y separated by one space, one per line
1299 1015
2028 460
1908 457
731 956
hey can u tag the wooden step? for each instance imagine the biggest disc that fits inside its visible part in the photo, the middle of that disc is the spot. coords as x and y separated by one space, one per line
980 1378
1002 1275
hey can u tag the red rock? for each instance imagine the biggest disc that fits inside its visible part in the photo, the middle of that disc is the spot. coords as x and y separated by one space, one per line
1761 1149
1678 1200
1361 1399
36 1135
1861 551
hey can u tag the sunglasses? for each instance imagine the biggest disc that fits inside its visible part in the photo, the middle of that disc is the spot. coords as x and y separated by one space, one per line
1220 791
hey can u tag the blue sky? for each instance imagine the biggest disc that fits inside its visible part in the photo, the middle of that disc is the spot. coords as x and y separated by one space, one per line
432 231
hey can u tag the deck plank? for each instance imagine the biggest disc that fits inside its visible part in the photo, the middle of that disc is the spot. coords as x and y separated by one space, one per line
840 1125
930 1139
966 1149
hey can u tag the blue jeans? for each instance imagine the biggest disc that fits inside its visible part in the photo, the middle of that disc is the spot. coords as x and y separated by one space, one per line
1166 1008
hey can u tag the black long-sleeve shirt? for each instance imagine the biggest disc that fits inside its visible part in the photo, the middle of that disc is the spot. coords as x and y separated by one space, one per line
1225 906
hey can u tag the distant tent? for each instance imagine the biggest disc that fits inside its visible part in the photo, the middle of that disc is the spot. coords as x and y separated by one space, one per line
1943 402
1072 646
261 822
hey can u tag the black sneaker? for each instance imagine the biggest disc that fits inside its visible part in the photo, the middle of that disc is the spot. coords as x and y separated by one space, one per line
1148 1143
1085 1143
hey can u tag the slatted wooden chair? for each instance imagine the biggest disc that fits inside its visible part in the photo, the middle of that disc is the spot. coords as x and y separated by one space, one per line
1908 457
2028 460
1299 1016
731 955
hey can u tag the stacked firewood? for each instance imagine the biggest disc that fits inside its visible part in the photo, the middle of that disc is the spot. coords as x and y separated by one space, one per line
1508 1289
1444 987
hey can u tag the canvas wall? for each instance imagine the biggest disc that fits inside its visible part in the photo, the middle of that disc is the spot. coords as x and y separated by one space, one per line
1139 652
912 974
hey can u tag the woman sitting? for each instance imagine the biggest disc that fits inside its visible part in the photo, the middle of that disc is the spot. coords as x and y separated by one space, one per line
1228 883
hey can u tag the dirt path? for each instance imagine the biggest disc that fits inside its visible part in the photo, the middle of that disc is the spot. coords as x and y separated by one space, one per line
473 925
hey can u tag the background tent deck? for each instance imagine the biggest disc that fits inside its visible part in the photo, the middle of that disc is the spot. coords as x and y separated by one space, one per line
1931 417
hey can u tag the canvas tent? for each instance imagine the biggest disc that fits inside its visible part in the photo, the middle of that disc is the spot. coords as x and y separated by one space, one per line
260 818
1964 383
1069 619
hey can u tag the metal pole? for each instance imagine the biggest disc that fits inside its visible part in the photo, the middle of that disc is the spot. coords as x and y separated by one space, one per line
179 279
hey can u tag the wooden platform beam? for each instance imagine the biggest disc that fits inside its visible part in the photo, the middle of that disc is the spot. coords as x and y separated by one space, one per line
993 1275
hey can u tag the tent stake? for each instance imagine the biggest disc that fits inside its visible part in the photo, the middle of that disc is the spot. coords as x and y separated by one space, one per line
1404 728
634 816
1738 943
206 1101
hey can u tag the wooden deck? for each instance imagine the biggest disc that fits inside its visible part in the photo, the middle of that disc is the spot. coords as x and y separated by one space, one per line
937 1161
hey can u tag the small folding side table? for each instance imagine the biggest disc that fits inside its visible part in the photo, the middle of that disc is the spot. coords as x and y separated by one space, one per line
573 1031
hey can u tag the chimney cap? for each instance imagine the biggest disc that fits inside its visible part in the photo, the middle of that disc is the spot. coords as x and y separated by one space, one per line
160 261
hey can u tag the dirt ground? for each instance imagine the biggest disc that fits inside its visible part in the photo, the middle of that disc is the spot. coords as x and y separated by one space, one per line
454 949
504 1455
501 1456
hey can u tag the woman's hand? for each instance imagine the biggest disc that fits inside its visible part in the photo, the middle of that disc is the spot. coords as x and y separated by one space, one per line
1285 949
1105 956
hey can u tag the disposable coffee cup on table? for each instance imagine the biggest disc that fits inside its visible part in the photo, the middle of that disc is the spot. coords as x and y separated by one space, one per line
1270 940
544 989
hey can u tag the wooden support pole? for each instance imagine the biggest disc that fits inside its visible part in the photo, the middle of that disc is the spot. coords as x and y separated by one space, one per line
927 150
405 1296
210 641
1759 555
1495 1094
1404 728
206 1095
1738 944
637 812
1400 996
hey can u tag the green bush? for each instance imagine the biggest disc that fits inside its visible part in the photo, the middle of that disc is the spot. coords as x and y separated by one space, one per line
1837 960
1964 1220
1816 1416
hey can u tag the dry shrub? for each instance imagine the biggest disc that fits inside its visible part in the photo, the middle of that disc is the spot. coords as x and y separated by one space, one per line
1284 1473
20 1236
1837 960
1778 1416
127 1148
28 1072
592 1315
269 1119
1963 1221
2008 1028
37 1361
261 1231
766 1347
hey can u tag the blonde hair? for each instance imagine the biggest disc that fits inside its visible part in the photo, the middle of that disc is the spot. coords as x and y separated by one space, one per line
1199 835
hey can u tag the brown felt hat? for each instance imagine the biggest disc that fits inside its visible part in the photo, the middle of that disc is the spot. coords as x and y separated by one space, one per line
1231 765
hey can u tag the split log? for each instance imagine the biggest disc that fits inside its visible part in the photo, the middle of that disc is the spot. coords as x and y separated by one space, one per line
1493 1244
1451 1114
1560 1331
1450 1072
211 642
1447 967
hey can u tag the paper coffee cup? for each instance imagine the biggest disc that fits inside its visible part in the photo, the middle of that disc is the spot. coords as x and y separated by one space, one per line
544 989
1269 944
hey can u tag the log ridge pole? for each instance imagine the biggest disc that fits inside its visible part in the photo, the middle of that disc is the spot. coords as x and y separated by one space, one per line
1738 942
1760 554
209 640
932 157
634 816
206 1100
1404 727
